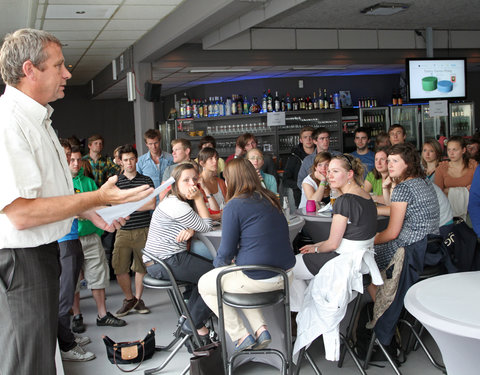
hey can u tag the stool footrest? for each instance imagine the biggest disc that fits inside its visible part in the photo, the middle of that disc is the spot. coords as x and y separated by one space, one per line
253 300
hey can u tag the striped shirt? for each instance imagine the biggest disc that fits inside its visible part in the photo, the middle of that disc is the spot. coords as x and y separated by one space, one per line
138 219
169 218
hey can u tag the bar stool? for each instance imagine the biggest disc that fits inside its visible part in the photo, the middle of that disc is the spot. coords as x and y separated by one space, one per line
255 301
173 289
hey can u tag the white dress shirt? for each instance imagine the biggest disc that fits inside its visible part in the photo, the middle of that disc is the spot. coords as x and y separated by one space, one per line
33 166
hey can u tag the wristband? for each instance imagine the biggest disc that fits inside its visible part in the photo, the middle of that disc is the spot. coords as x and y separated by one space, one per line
323 183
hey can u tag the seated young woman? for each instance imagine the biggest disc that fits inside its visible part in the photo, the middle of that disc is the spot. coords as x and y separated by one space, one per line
354 224
213 187
431 157
170 228
315 185
255 156
414 209
254 231
376 177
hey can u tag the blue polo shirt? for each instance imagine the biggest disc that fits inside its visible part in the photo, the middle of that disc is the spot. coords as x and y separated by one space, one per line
147 167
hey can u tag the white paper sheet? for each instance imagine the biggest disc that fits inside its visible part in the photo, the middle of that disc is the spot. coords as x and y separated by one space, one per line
109 214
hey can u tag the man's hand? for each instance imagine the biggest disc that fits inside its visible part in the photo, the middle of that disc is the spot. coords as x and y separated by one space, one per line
97 220
109 193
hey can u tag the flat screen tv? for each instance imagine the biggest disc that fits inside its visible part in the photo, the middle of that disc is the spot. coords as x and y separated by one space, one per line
436 78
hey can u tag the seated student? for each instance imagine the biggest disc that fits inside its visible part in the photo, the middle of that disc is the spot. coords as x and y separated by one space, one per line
414 209
431 157
382 140
362 138
213 187
315 185
334 266
456 173
209 141
254 231
167 238
255 156
376 177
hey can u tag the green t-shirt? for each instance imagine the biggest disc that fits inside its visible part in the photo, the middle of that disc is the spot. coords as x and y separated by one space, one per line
376 184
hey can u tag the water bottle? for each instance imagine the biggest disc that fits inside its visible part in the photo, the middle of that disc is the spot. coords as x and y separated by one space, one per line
286 208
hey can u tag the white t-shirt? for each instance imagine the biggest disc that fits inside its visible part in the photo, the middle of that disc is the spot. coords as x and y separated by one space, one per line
312 183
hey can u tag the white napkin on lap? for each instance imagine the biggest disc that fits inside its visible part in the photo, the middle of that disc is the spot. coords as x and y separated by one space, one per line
326 208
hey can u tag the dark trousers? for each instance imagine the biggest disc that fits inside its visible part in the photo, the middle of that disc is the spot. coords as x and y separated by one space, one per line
29 286
187 267
71 261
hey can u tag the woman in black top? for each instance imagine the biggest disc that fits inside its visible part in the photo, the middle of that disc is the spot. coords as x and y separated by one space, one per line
354 219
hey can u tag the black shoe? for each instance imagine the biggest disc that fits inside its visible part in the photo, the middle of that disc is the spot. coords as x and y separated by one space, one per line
110 320
178 330
77 324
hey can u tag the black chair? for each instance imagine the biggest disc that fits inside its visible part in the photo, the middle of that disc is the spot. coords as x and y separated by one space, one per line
173 289
255 301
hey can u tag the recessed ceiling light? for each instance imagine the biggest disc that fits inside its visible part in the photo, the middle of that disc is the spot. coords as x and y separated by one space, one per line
384 9
80 12
64 44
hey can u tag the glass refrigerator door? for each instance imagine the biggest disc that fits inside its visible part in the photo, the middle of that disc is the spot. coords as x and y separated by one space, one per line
433 127
461 119
407 116
376 119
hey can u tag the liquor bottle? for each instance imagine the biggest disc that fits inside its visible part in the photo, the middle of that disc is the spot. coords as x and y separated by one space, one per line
315 101
254 107
320 100
360 103
332 103
183 105
283 106
288 102
394 98
301 103
221 107
276 103
399 98
228 106
325 99
269 101
239 105
234 104
264 102
294 104
200 107
216 110
246 106
309 103
205 107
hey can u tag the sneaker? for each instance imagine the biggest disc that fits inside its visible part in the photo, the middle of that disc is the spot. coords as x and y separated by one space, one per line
77 354
77 324
82 340
141 308
110 320
128 304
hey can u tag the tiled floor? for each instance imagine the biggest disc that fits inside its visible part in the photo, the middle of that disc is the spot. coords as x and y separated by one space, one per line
163 319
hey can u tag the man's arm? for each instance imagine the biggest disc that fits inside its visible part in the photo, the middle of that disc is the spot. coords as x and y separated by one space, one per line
27 213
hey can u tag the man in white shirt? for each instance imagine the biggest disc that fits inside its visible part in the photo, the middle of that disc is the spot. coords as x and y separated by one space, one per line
36 201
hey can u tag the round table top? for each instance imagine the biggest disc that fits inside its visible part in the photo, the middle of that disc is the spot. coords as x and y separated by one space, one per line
449 303
325 216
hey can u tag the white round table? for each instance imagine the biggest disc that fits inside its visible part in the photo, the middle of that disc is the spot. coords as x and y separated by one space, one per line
449 308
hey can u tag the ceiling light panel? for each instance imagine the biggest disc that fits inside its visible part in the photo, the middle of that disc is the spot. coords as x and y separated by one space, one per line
80 11
85 2
152 2
69 25
132 25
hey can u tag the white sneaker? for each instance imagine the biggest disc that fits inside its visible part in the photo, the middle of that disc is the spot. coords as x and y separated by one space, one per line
82 340
77 354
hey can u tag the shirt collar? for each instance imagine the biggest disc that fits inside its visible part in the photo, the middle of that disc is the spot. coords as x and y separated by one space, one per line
33 109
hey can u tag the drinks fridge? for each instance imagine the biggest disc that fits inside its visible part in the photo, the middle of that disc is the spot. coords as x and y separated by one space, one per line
376 119
433 127
462 119
407 116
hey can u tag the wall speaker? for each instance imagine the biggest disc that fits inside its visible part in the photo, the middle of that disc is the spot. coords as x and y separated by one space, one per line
152 91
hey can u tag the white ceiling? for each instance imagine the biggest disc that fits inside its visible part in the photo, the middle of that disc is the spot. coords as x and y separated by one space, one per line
108 27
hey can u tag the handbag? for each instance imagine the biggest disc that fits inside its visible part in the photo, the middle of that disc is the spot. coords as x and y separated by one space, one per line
207 360
130 351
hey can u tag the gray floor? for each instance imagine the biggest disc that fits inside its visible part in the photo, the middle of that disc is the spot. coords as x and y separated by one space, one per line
163 319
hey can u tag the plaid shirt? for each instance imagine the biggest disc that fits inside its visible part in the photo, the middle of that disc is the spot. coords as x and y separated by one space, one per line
102 169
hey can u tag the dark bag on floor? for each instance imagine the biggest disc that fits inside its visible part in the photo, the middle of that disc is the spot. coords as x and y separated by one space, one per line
130 352
207 360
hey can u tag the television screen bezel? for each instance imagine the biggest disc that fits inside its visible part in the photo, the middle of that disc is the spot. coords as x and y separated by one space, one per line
407 70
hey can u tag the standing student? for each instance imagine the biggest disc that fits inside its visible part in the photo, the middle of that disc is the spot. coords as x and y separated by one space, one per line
361 139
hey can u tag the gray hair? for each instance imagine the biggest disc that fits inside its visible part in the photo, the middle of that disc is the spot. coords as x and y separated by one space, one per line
20 46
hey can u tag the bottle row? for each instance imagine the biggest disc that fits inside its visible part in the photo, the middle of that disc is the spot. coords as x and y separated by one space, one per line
238 104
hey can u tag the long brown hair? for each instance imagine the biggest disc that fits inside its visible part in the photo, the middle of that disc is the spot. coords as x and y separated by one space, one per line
176 174
321 157
410 156
438 152
243 182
